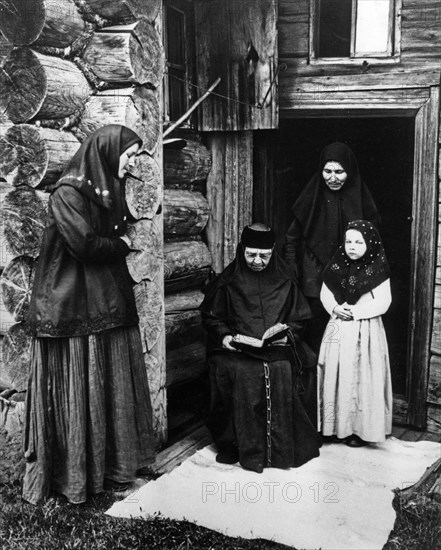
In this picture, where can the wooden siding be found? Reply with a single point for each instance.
(237, 41)
(418, 65)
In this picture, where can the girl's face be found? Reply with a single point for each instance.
(257, 259)
(355, 245)
(334, 175)
(127, 159)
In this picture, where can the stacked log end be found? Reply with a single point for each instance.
(37, 86)
(52, 24)
(187, 260)
(68, 68)
(127, 53)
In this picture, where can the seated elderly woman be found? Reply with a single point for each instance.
(256, 414)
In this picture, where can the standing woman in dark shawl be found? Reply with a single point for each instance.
(256, 416)
(88, 413)
(334, 196)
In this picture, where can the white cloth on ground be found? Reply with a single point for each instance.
(341, 500)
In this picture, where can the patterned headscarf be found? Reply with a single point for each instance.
(349, 279)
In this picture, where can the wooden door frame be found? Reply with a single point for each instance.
(424, 106)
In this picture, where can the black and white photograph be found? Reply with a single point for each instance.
(220, 274)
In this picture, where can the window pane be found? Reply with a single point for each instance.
(335, 18)
(372, 27)
(175, 37)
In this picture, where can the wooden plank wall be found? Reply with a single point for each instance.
(419, 64)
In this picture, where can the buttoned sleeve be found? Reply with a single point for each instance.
(71, 213)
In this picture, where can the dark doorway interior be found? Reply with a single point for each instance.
(384, 148)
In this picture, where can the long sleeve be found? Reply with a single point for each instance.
(374, 303)
(71, 214)
(213, 314)
(327, 298)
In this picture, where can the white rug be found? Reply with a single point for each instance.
(341, 500)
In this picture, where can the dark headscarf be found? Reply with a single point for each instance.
(323, 214)
(349, 279)
(93, 170)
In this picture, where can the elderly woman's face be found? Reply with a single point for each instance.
(257, 259)
(334, 175)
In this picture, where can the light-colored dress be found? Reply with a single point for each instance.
(354, 381)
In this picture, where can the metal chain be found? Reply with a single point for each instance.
(268, 412)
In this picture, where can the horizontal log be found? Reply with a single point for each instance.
(30, 155)
(195, 279)
(150, 306)
(125, 11)
(127, 53)
(434, 387)
(185, 213)
(185, 363)
(183, 328)
(25, 214)
(33, 85)
(191, 163)
(183, 301)
(184, 257)
(41, 22)
(144, 191)
(137, 108)
(16, 282)
(144, 264)
(16, 355)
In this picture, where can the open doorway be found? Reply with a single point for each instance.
(384, 148)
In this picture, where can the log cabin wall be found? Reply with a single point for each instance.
(407, 84)
(68, 68)
(187, 259)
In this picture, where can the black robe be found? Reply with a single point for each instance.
(256, 410)
(321, 216)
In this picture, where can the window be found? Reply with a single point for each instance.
(177, 22)
(354, 29)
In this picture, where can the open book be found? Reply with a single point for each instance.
(276, 332)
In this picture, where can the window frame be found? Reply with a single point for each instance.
(183, 7)
(394, 39)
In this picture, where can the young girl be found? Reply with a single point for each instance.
(355, 390)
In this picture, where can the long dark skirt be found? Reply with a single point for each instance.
(256, 411)
(88, 414)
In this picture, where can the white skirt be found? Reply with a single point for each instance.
(354, 381)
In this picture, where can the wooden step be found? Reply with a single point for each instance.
(173, 456)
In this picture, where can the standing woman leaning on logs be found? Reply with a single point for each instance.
(88, 415)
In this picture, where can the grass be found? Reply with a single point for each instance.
(58, 525)
(418, 525)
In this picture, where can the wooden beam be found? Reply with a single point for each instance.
(229, 193)
(423, 255)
